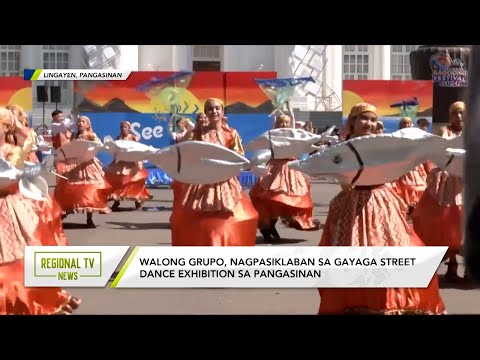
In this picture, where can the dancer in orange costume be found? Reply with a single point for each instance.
(60, 139)
(20, 226)
(284, 193)
(127, 178)
(438, 216)
(201, 125)
(410, 187)
(22, 116)
(48, 210)
(215, 214)
(86, 189)
(373, 216)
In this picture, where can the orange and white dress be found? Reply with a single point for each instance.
(127, 179)
(214, 214)
(411, 186)
(284, 193)
(438, 217)
(58, 140)
(86, 188)
(374, 216)
(49, 210)
(20, 226)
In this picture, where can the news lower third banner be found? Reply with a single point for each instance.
(232, 267)
(82, 74)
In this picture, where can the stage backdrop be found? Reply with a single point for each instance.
(393, 99)
(108, 103)
(15, 90)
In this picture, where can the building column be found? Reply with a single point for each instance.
(380, 62)
(129, 57)
(30, 57)
(333, 72)
(182, 58)
(77, 54)
(281, 59)
(387, 57)
(155, 57)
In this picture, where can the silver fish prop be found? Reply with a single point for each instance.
(30, 183)
(43, 145)
(127, 150)
(287, 143)
(77, 152)
(199, 162)
(373, 159)
(472, 170)
(451, 161)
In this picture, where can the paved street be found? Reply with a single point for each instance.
(150, 227)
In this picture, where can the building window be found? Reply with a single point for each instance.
(206, 58)
(206, 66)
(10, 60)
(57, 57)
(400, 62)
(355, 62)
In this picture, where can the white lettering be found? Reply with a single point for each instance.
(147, 132)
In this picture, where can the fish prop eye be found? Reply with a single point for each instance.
(337, 159)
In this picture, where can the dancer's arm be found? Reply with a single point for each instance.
(237, 143)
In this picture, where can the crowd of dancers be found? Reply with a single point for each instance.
(423, 207)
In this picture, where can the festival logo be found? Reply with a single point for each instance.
(447, 72)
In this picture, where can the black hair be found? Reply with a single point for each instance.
(56, 112)
(422, 120)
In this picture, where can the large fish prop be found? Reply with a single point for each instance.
(200, 162)
(374, 159)
(43, 145)
(452, 160)
(287, 143)
(30, 183)
(77, 152)
(127, 150)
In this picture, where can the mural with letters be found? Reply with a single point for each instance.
(145, 100)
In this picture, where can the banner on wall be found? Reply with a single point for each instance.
(393, 98)
(447, 66)
(145, 100)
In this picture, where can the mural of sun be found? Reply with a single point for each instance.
(167, 99)
(22, 97)
(349, 100)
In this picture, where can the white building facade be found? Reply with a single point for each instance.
(327, 64)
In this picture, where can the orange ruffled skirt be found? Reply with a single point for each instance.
(22, 223)
(438, 217)
(85, 190)
(50, 214)
(284, 193)
(374, 217)
(16, 299)
(129, 186)
(213, 228)
(411, 186)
